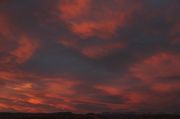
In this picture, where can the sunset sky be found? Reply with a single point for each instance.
(90, 56)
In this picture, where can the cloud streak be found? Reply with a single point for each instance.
(89, 56)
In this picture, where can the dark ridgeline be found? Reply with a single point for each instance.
(69, 115)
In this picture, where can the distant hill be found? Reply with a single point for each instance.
(69, 115)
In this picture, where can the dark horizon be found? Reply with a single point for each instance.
(94, 113)
(86, 56)
(69, 115)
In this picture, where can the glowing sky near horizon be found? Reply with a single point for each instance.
(90, 55)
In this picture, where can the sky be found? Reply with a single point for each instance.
(90, 56)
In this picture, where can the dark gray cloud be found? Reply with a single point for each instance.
(89, 56)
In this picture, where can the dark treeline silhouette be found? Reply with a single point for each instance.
(69, 115)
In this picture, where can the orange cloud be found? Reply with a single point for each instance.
(166, 87)
(103, 29)
(3, 106)
(135, 99)
(9, 75)
(87, 19)
(26, 49)
(5, 27)
(35, 101)
(157, 66)
(99, 51)
(92, 51)
(131, 99)
(70, 43)
(72, 8)
(17, 48)
(23, 87)
(91, 28)
(62, 86)
(7, 39)
(109, 89)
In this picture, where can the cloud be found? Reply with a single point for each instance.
(152, 72)
(89, 55)
(157, 66)
(25, 50)
(97, 19)
(5, 26)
